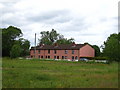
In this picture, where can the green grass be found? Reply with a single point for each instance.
(58, 74)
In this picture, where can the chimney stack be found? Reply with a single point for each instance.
(73, 44)
(55, 44)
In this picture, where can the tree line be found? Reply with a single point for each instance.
(13, 45)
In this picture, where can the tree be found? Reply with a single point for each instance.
(24, 45)
(52, 37)
(112, 47)
(48, 37)
(15, 51)
(97, 50)
(9, 35)
(12, 43)
(65, 41)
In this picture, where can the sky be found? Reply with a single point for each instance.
(89, 21)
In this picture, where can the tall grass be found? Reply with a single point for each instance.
(58, 74)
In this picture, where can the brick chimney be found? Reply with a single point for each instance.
(56, 44)
(73, 44)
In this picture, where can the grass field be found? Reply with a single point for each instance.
(58, 74)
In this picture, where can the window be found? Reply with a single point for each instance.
(31, 56)
(41, 56)
(49, 51)
(38, 51)
(57, 57)
(55, 51)
(49, 57)
(72, 58)
(65, 57)
(76, 58)
(62, 57)
(66, 52)
(54, 57)
(72, 51)
(46, 56)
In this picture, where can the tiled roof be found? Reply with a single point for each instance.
(59, 47)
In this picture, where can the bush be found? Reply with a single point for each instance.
(100, 58)
(96, 58)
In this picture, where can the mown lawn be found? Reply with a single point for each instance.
(58, 74)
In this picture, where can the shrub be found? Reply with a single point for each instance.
(100, 58)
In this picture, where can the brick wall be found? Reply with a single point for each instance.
(87, 51)
(60, 54)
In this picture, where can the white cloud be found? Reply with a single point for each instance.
(89, 21)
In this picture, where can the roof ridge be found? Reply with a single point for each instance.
(61, 47)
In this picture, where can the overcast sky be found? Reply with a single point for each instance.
(89, 21)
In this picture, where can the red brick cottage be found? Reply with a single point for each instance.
(69, 51)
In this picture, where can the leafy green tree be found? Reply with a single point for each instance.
(65, 41)
(9, 35)
(12, 43)
(112, 47)
(52, 37)
(45, 38)
(97, 50)
(15, 51)
(24, 45)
